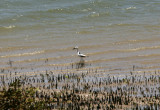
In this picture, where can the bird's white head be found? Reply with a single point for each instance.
(76, 47)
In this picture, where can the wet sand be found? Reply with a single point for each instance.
(90, 88)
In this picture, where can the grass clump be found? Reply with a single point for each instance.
(16, 97)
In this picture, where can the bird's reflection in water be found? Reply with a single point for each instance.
(80, 64)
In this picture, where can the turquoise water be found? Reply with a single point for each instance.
(114, 33)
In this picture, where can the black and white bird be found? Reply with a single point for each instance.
(78, 53)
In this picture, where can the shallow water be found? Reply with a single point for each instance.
(39, 35)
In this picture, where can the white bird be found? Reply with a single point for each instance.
(81, 55)
(78, 53)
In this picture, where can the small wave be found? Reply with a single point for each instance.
(94, 14)
(141, 48)
(9, 49)
(136, 41)
(149, 55)
(123, 50)
(23, 54)
(8, 27)
(127, 58)
(132, 7)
